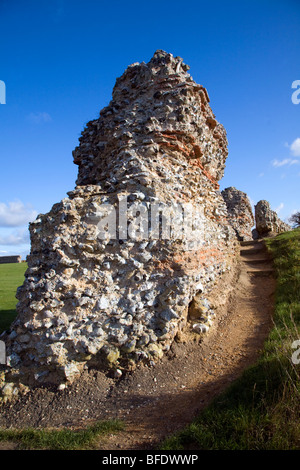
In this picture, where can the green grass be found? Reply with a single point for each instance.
(62, 439)
(11, 277)
(261, 410)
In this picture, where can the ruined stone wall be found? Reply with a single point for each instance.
(267, 221)
(240, 215)
(92, 298)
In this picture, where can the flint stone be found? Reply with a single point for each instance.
(200, 328)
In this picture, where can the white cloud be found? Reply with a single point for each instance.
(285, 161)
(293, 212)
(38, 118)
(295, 147)
(16, 214)
(279, 208)
(18, 237)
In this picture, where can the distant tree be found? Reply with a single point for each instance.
(295, 219)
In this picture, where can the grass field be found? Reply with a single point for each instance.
(261, 410)
(11, 277)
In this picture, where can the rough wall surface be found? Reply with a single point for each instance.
(267, 221)
(90, 298)
(240, 215)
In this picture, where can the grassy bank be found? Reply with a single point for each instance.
(11, 277)
(62, 439)
(261, 410)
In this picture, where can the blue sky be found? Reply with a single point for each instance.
(60, 60)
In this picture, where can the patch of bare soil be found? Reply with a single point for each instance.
(155, 402)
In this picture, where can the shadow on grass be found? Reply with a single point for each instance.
(6, 319)
(248, 416)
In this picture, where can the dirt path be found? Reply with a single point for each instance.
(155, 402)
(232, 345)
